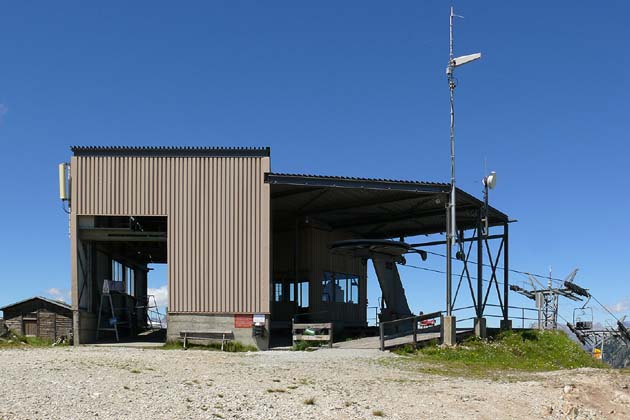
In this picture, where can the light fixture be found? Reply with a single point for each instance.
(490, 181)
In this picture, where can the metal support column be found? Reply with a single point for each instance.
(479, 271)
(506, 324)
(449, 256)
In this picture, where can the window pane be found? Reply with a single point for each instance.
(291, 292)
(303, 294)
(328, 287)
(340, 290)
(354, 289)
(277, 292)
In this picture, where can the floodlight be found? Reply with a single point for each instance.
(490, 181)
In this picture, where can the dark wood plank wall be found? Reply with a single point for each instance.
(45, 320)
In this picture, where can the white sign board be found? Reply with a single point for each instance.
(259, 319)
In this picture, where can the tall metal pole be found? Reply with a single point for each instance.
(452, 228)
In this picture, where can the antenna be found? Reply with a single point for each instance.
(451, 238)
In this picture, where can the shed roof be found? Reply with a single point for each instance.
(59, 303)
(370, 207)
(170, 151)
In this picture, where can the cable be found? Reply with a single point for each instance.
(444, 272)
(502, 269)
(605, 308)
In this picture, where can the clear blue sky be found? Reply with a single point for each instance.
(349, 88)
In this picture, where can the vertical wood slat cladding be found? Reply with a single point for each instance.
(218, 222)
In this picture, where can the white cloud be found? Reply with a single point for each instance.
(160, 294)
(161, 299)
(622, 306)
(58, 294)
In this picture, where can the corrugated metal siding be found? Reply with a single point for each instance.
(218, 222)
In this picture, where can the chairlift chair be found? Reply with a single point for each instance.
(583, 318)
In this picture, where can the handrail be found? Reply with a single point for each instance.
(414, 321)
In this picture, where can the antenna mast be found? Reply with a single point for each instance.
(450, 223)
(451, 227)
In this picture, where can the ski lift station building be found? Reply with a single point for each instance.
(244, 246)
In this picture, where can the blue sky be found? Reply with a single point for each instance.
(348, 88)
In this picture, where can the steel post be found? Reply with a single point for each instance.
(479, 270)
(506, 273)
(449, 257)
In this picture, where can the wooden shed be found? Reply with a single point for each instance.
(39, 317)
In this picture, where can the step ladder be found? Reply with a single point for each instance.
(113, 321)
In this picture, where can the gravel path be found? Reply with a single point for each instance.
(124, 383)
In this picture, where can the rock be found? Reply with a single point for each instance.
(568, 389)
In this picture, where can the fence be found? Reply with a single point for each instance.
(407, 326)
(520, 310)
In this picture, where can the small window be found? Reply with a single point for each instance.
(131, 281)
(277, 295)
(117, 271)
(340, 288)
(328, 287)
(353, 290)
(303, 294)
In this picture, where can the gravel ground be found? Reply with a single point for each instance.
(126, 383)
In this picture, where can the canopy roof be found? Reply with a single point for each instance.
(371, 208)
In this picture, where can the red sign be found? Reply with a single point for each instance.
(243, 321)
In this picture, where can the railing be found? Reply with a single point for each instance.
(521, 310)
(401, 327)
(375, 318)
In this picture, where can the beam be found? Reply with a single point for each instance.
(474, 238)
(402, 217)
(120, 235)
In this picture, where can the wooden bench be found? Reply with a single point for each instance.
(321, 331)
(223, 336)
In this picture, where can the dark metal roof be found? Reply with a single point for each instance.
(51, 301)
(354, 182)
(163, 151)
(371, 208)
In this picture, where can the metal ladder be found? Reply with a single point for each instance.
(113, 321)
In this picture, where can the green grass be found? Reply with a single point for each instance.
(309, 401)
(230, 346)
(13, 340)
(305, 345)
(523, 351)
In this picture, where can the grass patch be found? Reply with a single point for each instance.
(13, 340)
(230, 346)
(276, 390)
(309, 401)
(305, 345)
(520, 351)
(378, 413)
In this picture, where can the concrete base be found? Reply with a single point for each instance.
(480, 327)
(83, 327)
(506, 324)
(449, 331)
(218, 322)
